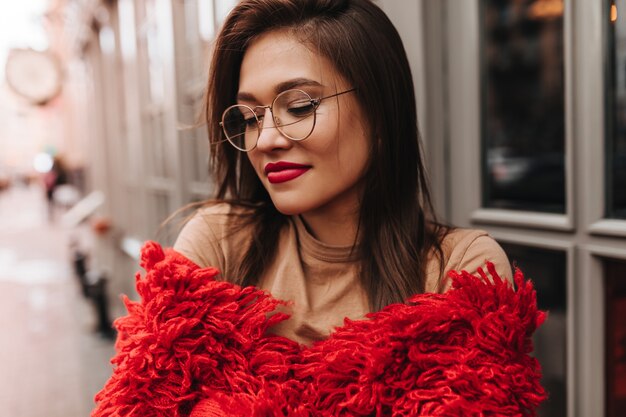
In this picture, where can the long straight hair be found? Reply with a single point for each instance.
(398, 231)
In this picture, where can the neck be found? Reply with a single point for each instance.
(336, 223)
(339, 229)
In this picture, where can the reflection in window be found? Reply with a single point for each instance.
(616, 110)
(547, 269)
(523, 105)
(615, 296)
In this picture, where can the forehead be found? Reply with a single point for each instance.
(278, 56)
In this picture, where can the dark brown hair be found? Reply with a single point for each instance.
(397, 228)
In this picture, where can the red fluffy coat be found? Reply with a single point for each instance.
(194, 346)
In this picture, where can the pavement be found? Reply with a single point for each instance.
(52, 361)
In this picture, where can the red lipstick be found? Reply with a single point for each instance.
(283, 171)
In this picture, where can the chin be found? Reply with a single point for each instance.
(288, 209)
(290, 206)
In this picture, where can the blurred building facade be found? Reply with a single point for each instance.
(522, 108)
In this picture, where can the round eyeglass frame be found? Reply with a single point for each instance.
(314, 101)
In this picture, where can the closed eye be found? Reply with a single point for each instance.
(301, 108)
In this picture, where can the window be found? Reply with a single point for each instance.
(523, 117)
(615, 296)
(615, 154)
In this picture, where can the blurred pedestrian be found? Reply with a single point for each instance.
(55, 177)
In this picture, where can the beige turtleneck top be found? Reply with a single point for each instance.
(319, 280)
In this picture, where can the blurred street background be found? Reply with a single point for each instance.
(53, 360)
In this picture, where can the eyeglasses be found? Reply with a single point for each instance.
(293, 112)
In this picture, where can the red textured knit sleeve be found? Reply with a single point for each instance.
(187, 332)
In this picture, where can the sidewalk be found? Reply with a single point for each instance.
(51, 361)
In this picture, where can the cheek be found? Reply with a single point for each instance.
(357, 157)
(345, 159)
(344, 136)
(354, 143)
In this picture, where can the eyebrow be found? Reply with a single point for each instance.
(285, 85)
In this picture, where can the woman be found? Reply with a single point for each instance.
(322, 211)
(330, 210)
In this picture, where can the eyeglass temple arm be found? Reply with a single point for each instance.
(337, 94)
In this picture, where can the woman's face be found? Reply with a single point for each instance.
(322, 174)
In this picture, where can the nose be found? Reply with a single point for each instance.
(270, 138)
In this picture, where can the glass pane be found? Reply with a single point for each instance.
(164, 231)
(523, 113)
(616, 109)
(547, 269)
(615, 295)
(154, 146)
(206, 19)
(134, 218)
(222, 8)
(156, 72)
(128, 36)
(201, 154)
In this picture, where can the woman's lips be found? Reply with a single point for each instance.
(284, 171)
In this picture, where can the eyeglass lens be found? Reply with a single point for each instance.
(293, 112)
